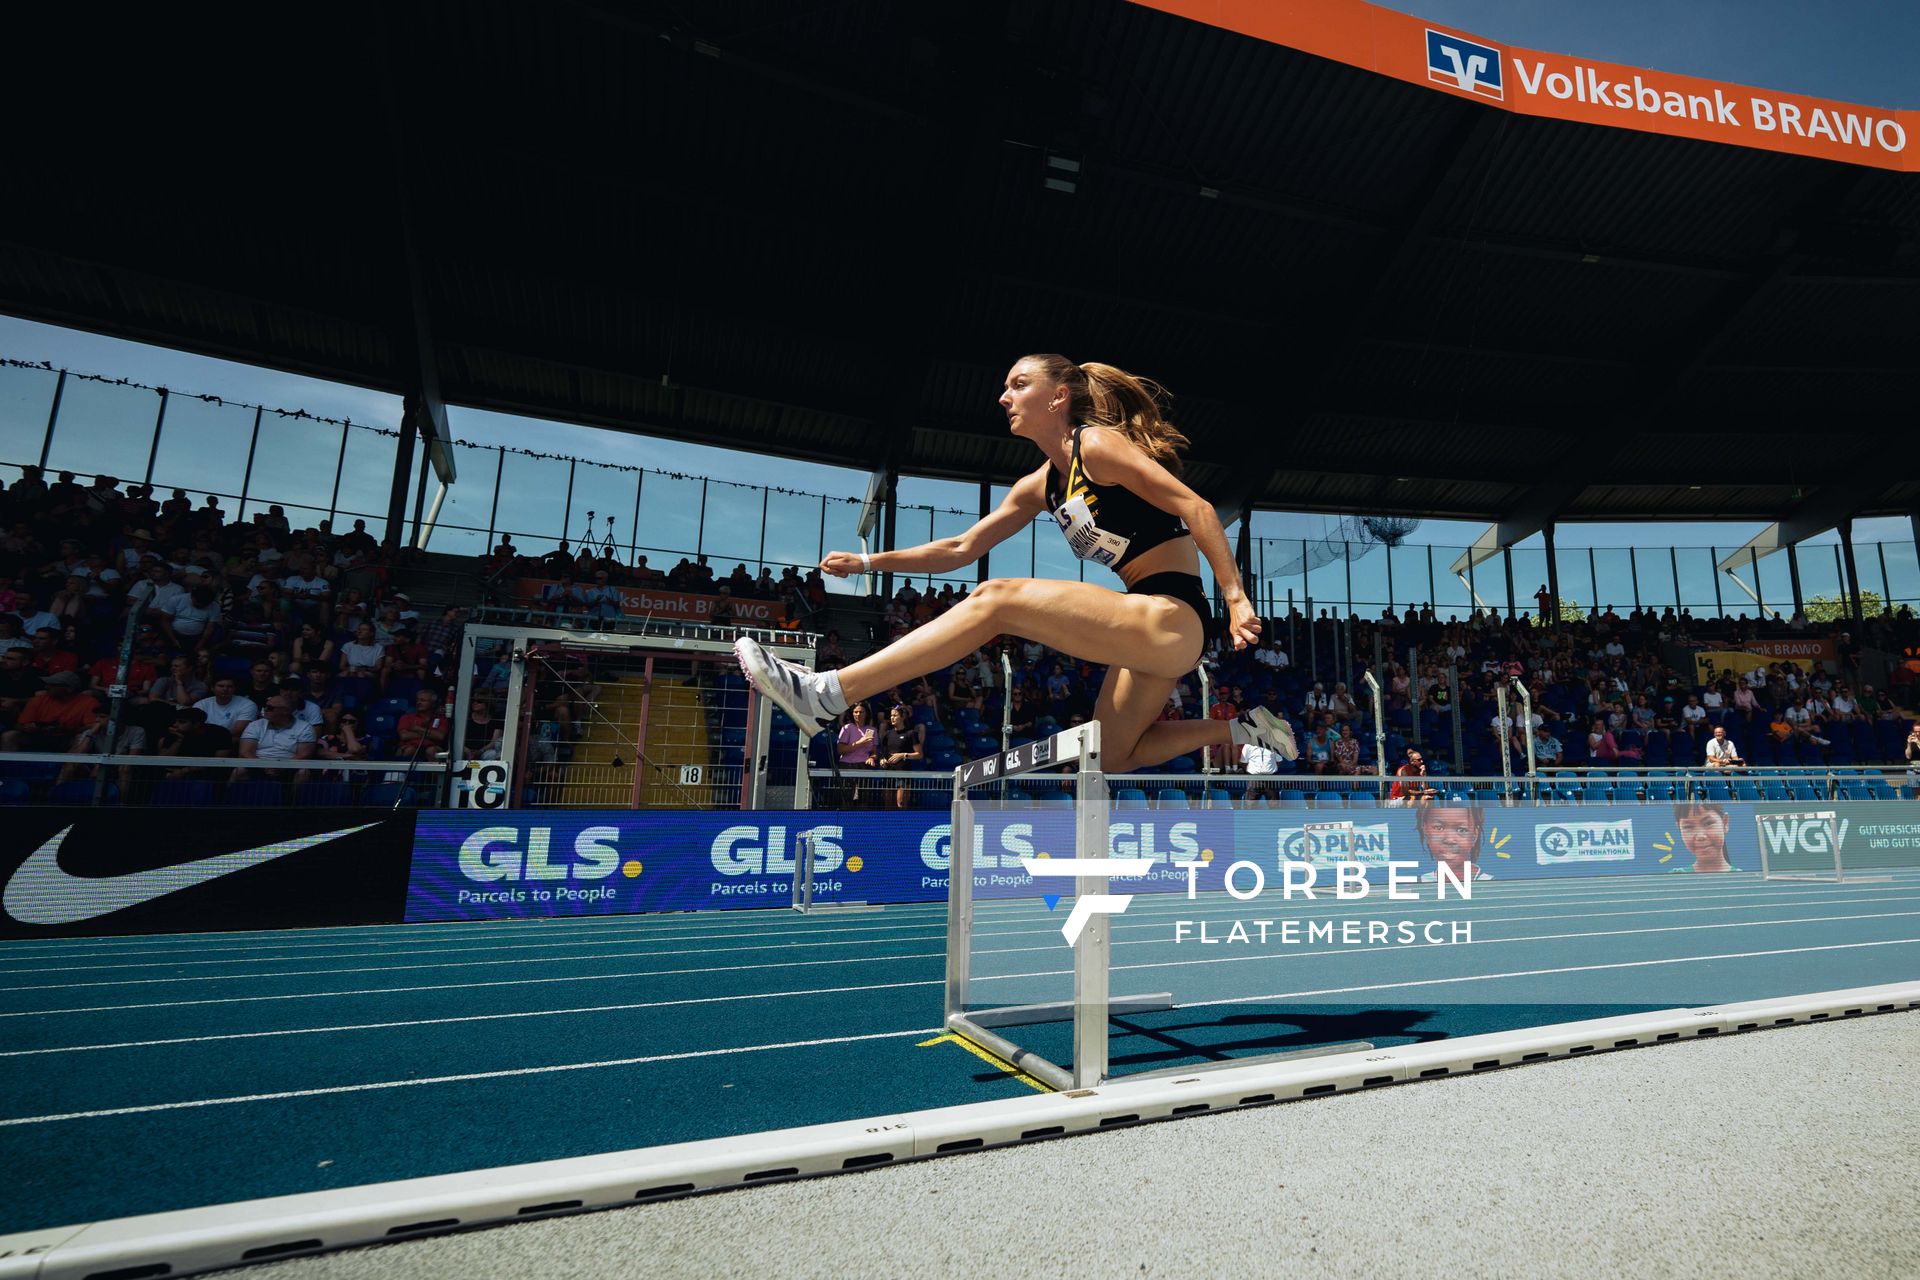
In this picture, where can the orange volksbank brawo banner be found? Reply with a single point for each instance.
(1565, 87)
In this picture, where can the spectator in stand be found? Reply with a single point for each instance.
(903, 745)
(856, 744)
(1721, 753)
(1412, 790)
(10, 637)
(189, 734)
(31, 616)
(407, 657)
(365, 656)
(1912, 752)
(19, 682)
(483, 736)
(293, 691)
(312, 649)
(1344, 752)
(180, 687)
(1601, 746)
(1341, 704)
(337, 736)
(422, 732)
(50, 719)
(1320, 742)
(226, 710)
(1547, 749)
(1315, 702)
(48, 656)
(961, 691)
(129, 739)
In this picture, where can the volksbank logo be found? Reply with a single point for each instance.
(1464, 65)
(1088, 905)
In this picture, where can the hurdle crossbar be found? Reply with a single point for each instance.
(1092, 1002)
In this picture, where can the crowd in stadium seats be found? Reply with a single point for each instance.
(250, 639)
(588, 581)
(1606, 691)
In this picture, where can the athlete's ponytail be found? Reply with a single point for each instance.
(1103, 396)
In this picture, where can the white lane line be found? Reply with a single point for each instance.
(651, 924)
(467, 1077)
(657, 927)
(1146, 918)
(1302, 954)
(1145, 904)
(1538, 973)
(474, 1017)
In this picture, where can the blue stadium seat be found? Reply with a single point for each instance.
(389, 706)
(257, 793)
(80, 791)
(382, 795)
(15, 791)
(1329, 799)
(403, 688)
(1293, 799)
(1129, 798)
(323, 794)
(1173, 798)
(1218, 798)
(183, 791)
(1363, 800)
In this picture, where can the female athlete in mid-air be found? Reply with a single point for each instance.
(1111, 481)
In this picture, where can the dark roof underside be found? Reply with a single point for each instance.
(825, 232)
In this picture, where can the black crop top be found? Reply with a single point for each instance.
(1108, 524)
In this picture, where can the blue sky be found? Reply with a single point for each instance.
(1845, 49)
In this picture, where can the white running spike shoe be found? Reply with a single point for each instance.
(793, 688)
(1271, 731)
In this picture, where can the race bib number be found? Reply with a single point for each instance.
(1086, 539)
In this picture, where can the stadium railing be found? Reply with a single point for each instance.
(36, 777)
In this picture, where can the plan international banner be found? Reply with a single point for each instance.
(1563, 87)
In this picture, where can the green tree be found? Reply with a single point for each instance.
(1834, 608)
(1571, 610)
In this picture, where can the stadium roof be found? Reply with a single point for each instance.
(825, 232)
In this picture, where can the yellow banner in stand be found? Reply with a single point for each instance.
(1710, 665)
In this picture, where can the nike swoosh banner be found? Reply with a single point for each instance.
(68, 872)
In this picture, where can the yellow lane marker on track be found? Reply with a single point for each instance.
(984, 1056)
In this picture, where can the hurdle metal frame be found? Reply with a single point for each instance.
(803, 871)
(1092, 1001)
(1839, 876)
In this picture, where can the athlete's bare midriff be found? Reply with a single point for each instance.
(1177, 555)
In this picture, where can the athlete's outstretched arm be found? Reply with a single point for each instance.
(1016, 511)
(1116, 460)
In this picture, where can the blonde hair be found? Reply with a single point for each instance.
(1100, 395)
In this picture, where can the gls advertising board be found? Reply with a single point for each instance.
(472, 866)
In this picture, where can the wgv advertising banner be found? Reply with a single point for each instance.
(536, 863)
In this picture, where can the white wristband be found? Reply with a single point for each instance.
(866, 563)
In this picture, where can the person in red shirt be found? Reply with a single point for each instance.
(424, 729)
(140, 674)
(48, 658)
(51, 718)
(1412, 790)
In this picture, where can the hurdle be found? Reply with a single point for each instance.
(1093, 1004)
(803, 873)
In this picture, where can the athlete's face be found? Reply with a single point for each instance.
(1033, 401)
(1451, 835)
